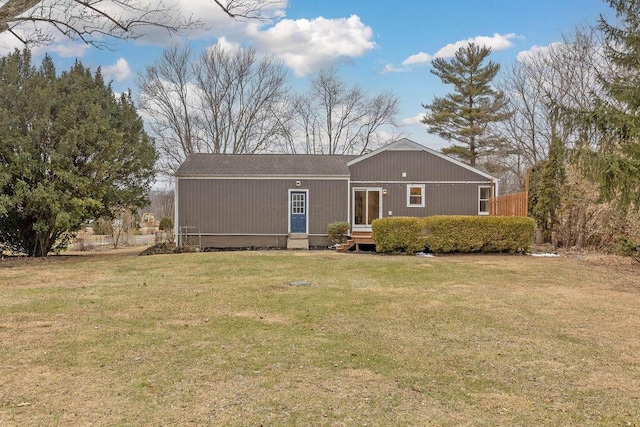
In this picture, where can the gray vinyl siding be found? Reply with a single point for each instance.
(450, 189)
(440, 199)
(257, 206)
(418, 166)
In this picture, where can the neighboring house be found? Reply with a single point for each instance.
(287, 200)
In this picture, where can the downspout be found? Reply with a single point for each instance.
(492, 198)
(526, 191)
(349, 203)
(176, 221)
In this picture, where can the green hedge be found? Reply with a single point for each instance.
(454, 234)
(398, 234)
(490, 234)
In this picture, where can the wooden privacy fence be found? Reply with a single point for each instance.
(515, 204)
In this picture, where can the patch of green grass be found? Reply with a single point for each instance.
(224, 339)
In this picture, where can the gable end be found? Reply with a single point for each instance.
(408, 145)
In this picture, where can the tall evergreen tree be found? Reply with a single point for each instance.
(466, 114)
(70, 150)
(612, 158)
(546, 185)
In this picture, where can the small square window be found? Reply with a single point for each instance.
(415, 195)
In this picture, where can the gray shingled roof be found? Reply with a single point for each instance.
(264, 165)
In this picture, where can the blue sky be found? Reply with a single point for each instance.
(378, 44)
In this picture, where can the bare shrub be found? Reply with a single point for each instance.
(584, 221)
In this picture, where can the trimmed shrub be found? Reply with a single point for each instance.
(454, 234)
(337, 232)
(398, 234)
(486, 234)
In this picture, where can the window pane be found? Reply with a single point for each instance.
(374, 206)
(416, 196)
(297, 203)
(485, 193)
(359, 207)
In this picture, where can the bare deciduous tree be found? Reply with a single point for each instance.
(225, 101)
(333, 118)
(161, 202)
(34, 22)
(563, 75)
(242, 99)
(168, 97)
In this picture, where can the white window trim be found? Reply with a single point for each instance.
(480, 200)
(422, 191)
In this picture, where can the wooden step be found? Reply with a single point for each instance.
(355, 239)
(345, 246)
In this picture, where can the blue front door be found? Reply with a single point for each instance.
(298, 212)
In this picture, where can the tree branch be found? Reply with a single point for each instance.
(91, 20)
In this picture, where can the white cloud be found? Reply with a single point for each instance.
(418, 59)
(8, 43)
(65, 49)
(119, 71)
(61, 46)
(306, 45)
(227, 45)
(415, 120)
(390, 68)
(215, 23)
(495, 42)
(537, 51)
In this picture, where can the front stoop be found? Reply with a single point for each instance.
(298, 241)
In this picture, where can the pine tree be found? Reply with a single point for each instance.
(69, 151)
(466, 114)
(612, 158)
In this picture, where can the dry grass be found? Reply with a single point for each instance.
(224, 339)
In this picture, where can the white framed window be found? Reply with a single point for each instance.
(484, 194)
(415, 195)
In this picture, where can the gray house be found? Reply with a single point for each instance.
(273, 200)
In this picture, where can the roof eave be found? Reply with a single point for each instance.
(279, 176)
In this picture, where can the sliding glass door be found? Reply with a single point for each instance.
(367, 206)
